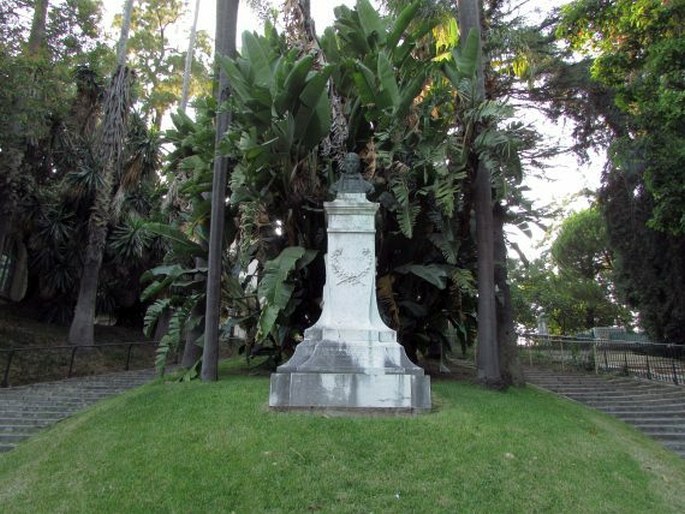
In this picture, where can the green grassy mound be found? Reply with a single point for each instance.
(193, 447)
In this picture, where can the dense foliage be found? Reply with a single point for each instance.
(636, 62)
(51, 169)
(402, 90)
(572, 285)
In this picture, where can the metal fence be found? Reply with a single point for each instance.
(63, 364)
(653, 361)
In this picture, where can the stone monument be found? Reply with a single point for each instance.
(349, 359)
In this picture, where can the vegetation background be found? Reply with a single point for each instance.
(106, 210)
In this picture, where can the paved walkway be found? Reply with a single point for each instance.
(24, 410)
(656, 408)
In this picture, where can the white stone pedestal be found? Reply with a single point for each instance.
(350, 360)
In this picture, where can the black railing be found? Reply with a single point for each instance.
(71, 351)
(653, 361)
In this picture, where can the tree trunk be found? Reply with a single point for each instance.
(37, 36)
(82, 329)
(226, 27)
(123, 36)
(512, 373)
(189, 60)
(487, 358)
(111, 141)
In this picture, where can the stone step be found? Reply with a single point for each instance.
(59, 390)
(608, 388)
(632, 413)
(24, 410)
(650, 420)
(37, 402)
(56, 404)
(657, 409)
(662, 429)
(55, 416)
(651, 405)
(595, 379)
(33, 410)
(650, 401)
(19, 429)
(622, 392)
(13, 438)
(637, 408)
(56, 393)
(27, 422)
(676, 446)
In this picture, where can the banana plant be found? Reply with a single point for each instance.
(402, 111)
(280, 180)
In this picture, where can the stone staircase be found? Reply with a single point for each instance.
(27, 409)
(655, 408)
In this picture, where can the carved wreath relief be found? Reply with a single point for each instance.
(351, 271)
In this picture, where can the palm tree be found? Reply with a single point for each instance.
(189, 59)
(192, 352)
(112, 133)
(37, 37)
(226, 27)
(469, 12)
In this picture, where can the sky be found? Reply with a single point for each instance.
(563, 176)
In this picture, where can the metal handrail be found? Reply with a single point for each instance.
(74, 348)
(654, 361)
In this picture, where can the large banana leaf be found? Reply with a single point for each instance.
(256, 51)
(371, 22)
(182, 245)
(313, 119)
(275, 290)
(294, 83)
(365, 81)
(237, 79)
(403, 21)
(465, 60)
(386, 76)
(432, 273)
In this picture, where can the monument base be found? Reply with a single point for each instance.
(350, 392)
(341, 375)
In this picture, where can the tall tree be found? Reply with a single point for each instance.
(225, 46)
(191, 351)
(159, 64)
(189, 59)
(112, 133)
(37, 37)
(13, 154)
(573, 284)
(634, 58)
(487, 359)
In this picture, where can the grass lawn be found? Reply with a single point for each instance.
(193, 447)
